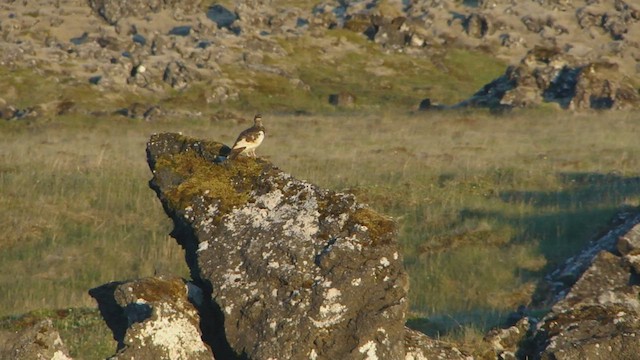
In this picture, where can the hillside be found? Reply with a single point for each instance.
(145, 58)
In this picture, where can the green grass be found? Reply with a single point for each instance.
(344, 61)
(80, 213)
(486, 205)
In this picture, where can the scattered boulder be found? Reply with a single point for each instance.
(476, 25)
(222, 16)
(426, 105)
(391, 33)
(141, 111)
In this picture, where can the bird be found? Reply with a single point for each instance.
(249, 139)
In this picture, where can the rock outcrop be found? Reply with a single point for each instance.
(549, 75)
(297, 271)
(599, 318)
(595, 311)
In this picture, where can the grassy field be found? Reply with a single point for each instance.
(486, 204)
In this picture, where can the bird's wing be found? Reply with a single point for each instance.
(248, 137)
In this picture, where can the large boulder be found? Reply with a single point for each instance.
(296, 271)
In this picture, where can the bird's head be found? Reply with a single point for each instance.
(257, 120)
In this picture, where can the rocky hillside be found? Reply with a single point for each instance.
(579, 54)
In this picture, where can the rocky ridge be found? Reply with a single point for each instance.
(153, 46)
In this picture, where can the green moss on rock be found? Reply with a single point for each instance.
(380, 227)
(228, 183)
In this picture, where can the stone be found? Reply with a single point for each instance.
(421, 347)
(476, 25)
(506, 342)
(392, 33)
(629, 243)
(39, 341)
(154, 318)
(546, 74)
(178, 75)
(558, 283)
(296, 271)
(598, 319)
(222, 16)
(427, 104)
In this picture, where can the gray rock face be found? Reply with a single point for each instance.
(558, 283)
(595, 310)
(599, 318)
(154, 318)
(40, 341)
(297, 271)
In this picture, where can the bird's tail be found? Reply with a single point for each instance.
(234, 153)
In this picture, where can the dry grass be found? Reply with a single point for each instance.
(486, 204)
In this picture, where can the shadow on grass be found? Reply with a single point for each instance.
(554, 225)
(566, 220)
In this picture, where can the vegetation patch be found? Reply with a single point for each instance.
(382, 229)
(228, 183)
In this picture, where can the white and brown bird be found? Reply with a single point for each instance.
(249, 139)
